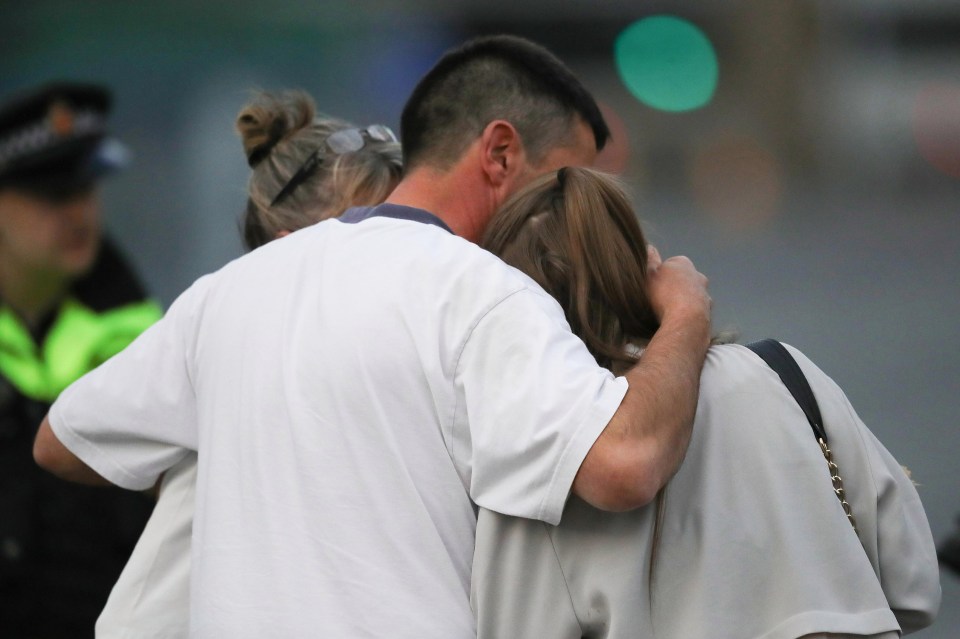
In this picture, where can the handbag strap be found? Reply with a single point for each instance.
(779, 359)
(782, 362)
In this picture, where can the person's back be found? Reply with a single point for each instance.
(337, 476)
(752, 541)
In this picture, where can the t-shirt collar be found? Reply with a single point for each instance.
(395, 211)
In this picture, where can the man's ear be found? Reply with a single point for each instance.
(502, 152)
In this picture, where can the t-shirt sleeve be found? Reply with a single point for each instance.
(531, 401)
(135, 416)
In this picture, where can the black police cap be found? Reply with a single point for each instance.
(53, 138)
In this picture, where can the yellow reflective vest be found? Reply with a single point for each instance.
(79, 340)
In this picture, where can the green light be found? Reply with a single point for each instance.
(667, 63)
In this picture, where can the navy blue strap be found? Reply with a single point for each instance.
(779, 359)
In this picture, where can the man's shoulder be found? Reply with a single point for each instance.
(419, 239)
(481, 270)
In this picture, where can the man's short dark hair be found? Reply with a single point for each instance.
(490, 78)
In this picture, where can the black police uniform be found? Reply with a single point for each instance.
(62, 545)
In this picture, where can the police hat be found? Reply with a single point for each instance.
(53, 139)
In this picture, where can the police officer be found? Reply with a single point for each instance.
(68, 301)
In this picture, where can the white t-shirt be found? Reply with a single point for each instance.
(754, 542)
(353, 391)
(151, 599)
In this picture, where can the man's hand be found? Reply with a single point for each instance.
(677, 288)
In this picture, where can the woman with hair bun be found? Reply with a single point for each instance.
(748, 539)
(305, 168)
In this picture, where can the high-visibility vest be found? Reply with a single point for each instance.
(79, 340)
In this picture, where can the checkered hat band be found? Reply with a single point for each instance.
(41, 135)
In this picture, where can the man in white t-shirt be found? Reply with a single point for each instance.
(355, 390)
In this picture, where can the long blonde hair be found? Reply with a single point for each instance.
(279, 132)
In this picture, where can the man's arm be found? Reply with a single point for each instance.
(645, 441)
(50, 453)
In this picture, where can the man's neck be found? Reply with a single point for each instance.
(455, 200)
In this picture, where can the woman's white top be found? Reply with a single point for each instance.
(151, 599)
(753, 541)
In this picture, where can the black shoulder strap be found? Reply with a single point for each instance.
(779, 359)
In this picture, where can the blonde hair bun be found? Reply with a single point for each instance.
(270, 118)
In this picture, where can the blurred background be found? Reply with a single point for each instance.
(805, 154)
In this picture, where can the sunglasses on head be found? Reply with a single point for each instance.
(337, 143)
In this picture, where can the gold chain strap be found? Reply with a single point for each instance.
(837, 483)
